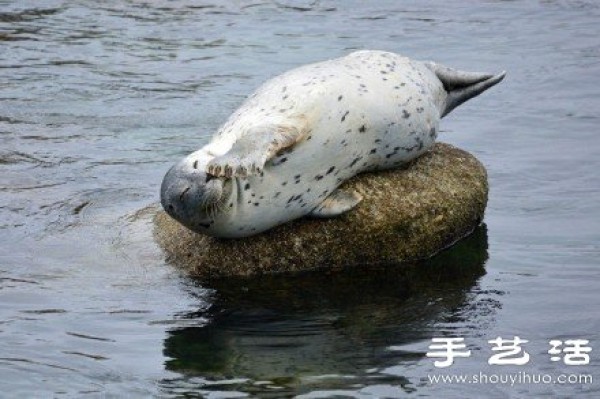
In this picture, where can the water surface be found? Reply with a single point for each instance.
(98, 99)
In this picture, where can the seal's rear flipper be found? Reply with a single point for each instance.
(462, 86)
(336, 203)
(250, 152)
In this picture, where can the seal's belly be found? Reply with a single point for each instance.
(297, 181)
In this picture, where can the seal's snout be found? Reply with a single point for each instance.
(188, 195)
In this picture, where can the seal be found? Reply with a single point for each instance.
(283, 154)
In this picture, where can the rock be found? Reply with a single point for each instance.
(406, 214)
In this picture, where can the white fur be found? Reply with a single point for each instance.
(388, 103)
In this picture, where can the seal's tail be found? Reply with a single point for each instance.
(462, 86)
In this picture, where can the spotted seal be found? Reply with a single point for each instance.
(285, 151)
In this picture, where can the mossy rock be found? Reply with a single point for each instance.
(406, 214)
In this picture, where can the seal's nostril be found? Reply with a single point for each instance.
(183, 193)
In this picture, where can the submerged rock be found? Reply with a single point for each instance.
(406, 214)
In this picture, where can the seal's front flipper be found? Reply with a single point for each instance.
(250, 152)
(336, 203)
(462, 86)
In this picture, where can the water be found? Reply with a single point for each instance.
(97, 99)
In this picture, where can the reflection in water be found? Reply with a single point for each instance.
(97, 100)
(287, 329)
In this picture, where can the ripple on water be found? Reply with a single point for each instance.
(98, 99)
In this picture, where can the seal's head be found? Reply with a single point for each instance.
(194, 198)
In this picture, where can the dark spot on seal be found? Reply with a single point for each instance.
(373, 151)
(282, 160)
(256, 204)
(362, 129)
(355, 161)
(277, 194)
(284, 183)
(195, 164)
(420, 143)
(247, 186)
(405, 114)
(340, 98)
(318, 177)
(297, 177)
(231, 205)
(330, 170)
(345, 115)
